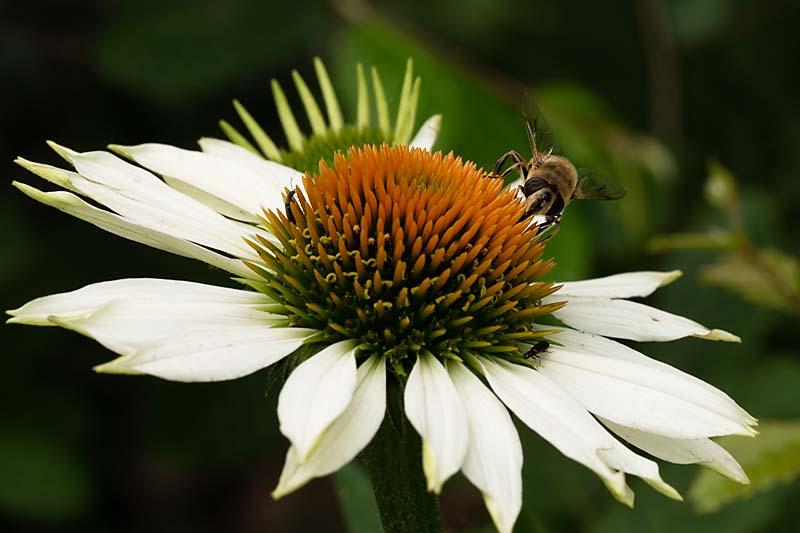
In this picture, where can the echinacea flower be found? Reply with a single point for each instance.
(394, 268)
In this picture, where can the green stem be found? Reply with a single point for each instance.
(394, 462)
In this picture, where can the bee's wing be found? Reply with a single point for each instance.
(540, 136)
(592, 187)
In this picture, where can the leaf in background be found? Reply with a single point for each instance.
(736, 273)
(357, 501)
(770, 458)
(713, 239)
(720, 187)
(41, 481)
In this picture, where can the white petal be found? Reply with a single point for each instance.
(623, 459)
(557, 417)
(641, 396)
(71, 204)
(212, 356)
(628, 285)
(683, 451)
(346, 436)
(494, 455)
(92, 297)
(145, 200)
(104, 168)
(280, 175)
(228, 188)
(316, 393)
(586, 343)
(434, 409)
(128, 315)
(427, 134)
(624, 319)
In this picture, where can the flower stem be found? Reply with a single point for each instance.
(394, 462)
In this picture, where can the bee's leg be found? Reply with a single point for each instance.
(548, 229)
(518, 162)
(288, 196)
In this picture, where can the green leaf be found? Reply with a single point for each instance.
(772, 457)
(747, 277)
(41, 480)
(714, 239)
(357, 501)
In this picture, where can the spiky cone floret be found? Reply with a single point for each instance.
(408, 252)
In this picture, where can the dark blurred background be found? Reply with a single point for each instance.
(644, 91)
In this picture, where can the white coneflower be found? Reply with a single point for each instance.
(413, 284)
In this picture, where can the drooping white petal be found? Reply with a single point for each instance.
(121, 177)
(434, 409)
(427, 134)
(145, 200)
(710, 396)
(141, 291)
(212, 356)
(642, 396)
(280, 175)
(683, 451)
(494, 456)
(621, 458)
(73, 205)
(346, 436)
(557, 417)
(229, 188)
(628, 285)
(624, 319)
(315, 393)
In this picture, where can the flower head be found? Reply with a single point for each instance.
(408, 252)
(388, 264)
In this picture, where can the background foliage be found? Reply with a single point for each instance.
(644, 91)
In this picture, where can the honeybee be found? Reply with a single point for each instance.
(549, 182)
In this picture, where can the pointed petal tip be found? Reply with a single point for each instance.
(279, 492)
(119, 150)
(24, 163)
(619, 488)
(63, 151)
(24, 187)
(664, 488)
(732, 471)
(669, 277)
(115, 366)
(721, 335)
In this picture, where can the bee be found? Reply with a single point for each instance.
(549, 182)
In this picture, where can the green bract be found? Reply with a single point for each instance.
(305, 151)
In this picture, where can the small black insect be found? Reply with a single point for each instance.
(536, 349)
